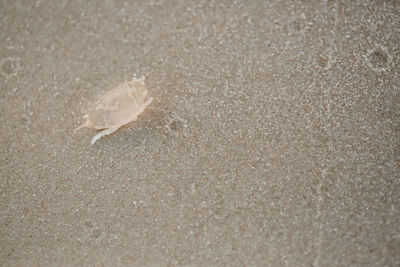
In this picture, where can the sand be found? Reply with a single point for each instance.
(272, 139)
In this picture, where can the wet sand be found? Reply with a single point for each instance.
(272, 139)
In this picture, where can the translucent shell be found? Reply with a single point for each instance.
(118, 107)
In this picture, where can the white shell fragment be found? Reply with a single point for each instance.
(118, 107)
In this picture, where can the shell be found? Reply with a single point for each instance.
(121, 105)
